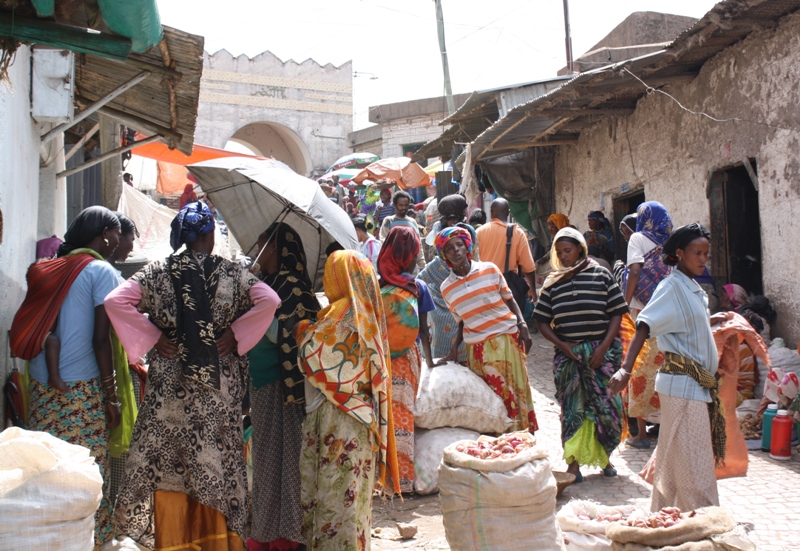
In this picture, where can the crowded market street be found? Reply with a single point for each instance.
(766, 499)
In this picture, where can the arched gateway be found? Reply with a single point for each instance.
(299, 114)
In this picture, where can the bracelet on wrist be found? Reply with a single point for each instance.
(110, 403)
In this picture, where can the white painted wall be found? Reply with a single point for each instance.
(19, 193)
(411, 130)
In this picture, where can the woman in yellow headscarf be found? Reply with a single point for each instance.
(348, 436)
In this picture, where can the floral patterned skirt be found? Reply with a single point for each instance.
(405, 382)
(78, 416)
(643, 399)
(501, 362)
(337, 471)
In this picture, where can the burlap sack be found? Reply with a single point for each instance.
(703, 545)
(709, 521)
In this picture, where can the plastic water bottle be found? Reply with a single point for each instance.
(766, 427)
(781, 447)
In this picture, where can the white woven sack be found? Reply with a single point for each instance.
(451, 395)
(568, 516)
(49, 492)
(429, 448)
(456, 458)
(574, 541)
(500, 511)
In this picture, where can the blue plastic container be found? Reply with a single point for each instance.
(766, 428)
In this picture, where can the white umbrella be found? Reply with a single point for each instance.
(251, 194)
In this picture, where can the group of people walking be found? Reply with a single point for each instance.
(644, 331)
(331, 390)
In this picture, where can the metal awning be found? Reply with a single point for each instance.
(558, 117)
(482, 109)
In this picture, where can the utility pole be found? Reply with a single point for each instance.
(448, 89)
(570, 63)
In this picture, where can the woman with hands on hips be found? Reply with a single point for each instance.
(185, 479)
(580, 309)
(490, 323)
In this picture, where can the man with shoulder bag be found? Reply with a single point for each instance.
(507, 247)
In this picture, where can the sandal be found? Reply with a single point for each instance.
(578, 478)
(609, 471)
(638, 444)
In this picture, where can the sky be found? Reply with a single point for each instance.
(394, 47)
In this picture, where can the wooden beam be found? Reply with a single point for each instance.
(588, 111)
(94, 107)
(80, 143)
(751, 172)
(526, 145)
(77, 39)
(104, 156)
(506, 131)
(139, 123)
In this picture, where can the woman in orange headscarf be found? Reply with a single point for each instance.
(557, 222)
(348, 436)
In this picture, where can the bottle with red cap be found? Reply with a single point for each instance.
(781, 442)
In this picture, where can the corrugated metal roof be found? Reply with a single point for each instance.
(557, 117)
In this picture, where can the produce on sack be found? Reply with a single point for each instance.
(505, 445)
(666, 517)
(751, 426)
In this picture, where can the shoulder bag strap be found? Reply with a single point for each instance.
(509, 235)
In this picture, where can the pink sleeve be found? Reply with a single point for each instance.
(251, 327)
(136, 333)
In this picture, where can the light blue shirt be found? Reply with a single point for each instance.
(75, 326)
(677, 315)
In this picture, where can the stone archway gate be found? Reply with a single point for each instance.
(298, 113)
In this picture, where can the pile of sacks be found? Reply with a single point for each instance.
(505, 502)
(452, 404)
(49, 492)
(588, 526)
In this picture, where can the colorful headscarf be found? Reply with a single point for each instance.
(396, 258)
(345, 354)
(451, 233)
(559, 270)
(193, 220)
(652, 219)
(737, 294)
(560, 221)
(298, 302)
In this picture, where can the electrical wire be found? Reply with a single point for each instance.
(651, 90)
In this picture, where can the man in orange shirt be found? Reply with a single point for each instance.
(492, 244)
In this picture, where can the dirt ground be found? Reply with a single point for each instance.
(767, 498)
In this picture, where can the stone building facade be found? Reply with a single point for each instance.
(739, 178)
(402, 127)
(298, 113)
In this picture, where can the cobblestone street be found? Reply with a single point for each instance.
(767, 498)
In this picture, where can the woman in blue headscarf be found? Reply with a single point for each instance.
(185, 480)
(645, 272)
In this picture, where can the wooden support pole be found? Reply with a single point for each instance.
(106, 157)
(80, 143)
(118, 91)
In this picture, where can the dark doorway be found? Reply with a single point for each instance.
(736, 228)
(623, 206)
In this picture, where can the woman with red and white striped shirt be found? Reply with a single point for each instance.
(490, 323)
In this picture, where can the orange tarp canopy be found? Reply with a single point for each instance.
(172, 174)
